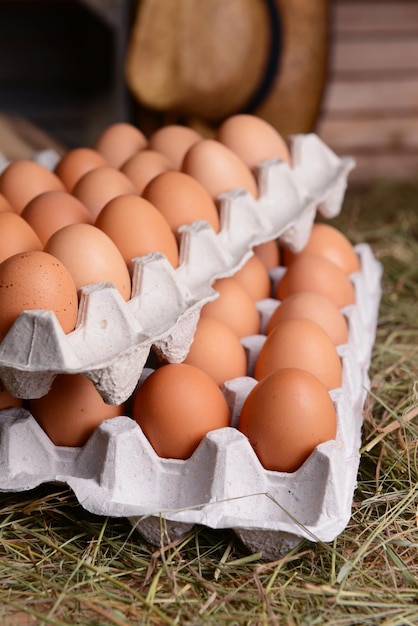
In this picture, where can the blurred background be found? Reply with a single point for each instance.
(346, 69)
(62, 68)
(370, 109)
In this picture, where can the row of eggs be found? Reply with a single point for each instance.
(68, 252)
(94, 219)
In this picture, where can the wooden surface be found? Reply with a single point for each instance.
(370, 110)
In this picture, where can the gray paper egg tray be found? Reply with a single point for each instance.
(222, 485)
(113, 338)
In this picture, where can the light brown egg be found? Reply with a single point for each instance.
(176, 406)
(330, 243)
(23, 179)
(16, 235)
(5, 204)
(52, 210)
(36, 280)
(286, 416)
(90, 256)
(100, 185)
(316, 307)
(119, 141)
(255, 279)
(253, 139)
(181, 200)
(269, 253)
(217, 350)
(77, 162)
(315, 273)
(72, 410)
(174, 140)
(303, 344)
(218, 169)
(137, 228)
(145, 165)
(234, 307)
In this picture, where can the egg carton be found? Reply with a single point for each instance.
(113, 338)
(223, 484)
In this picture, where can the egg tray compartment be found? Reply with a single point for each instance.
(222, 485)
(113, 338)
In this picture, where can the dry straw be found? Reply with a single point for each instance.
(60, 565)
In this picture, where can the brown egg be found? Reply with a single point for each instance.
(22, 180)
(100, 185)
(269, 253)
(253, 139)
(255, 279)
(174, 140)
(52, 210)
(137, 228)
(330, 243)
(218, 169)
(181, 200)
(234, 307)
(285, 417)
(315, 273)
(90, 256)
(119, 141)
(316, 307)
(72, 410)
(7, 401)
(16, 235)
(36, 280)
(5, 204)
(217, 350)
(145, 165)
(77, 162)
(176, 406)
(303, 344)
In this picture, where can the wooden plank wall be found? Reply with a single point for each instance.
(370, 110)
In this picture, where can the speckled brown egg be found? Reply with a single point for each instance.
(36, 280)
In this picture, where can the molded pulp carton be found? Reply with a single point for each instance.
(222, 485)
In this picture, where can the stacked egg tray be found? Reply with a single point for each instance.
(222, 485)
